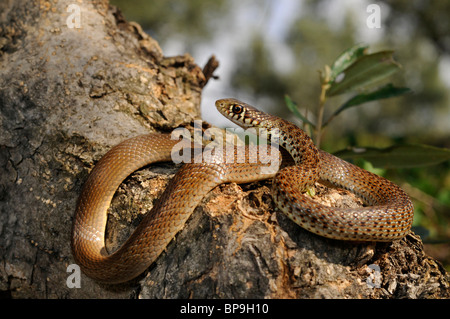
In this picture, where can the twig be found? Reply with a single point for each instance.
(209, 69)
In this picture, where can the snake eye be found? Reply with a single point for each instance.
(237, 109)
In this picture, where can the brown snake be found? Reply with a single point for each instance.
(388, 216)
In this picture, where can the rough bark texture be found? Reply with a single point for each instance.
(68, 95)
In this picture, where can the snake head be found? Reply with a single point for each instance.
(241, 113)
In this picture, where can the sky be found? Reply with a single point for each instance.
(274, 17)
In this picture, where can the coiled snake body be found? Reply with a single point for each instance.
(388, 215)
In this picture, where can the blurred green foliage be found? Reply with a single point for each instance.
(165, 20)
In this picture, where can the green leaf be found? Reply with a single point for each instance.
(384, 92)
(292, 106)
(368, 166)
(347, 58)
(364, 72)
(398, 156)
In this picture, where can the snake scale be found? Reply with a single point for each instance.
(387, 215)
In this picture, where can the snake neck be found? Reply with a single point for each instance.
(294, 140)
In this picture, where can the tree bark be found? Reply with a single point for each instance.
(67, 95)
